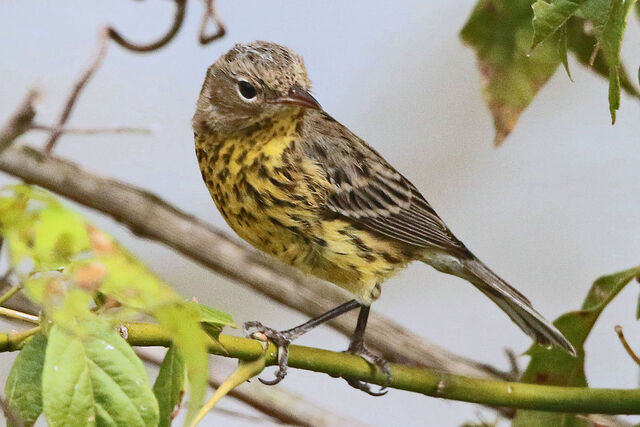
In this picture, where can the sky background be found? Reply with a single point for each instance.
(551, 210)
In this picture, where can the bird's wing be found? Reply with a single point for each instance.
(371, 193)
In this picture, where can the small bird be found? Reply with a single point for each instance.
(297, 184)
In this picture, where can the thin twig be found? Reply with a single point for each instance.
(101, 51)
(513, 362)
(210, 15)
(19, 122)
(19, 315)
(178, 19)
(148, 216)
(92, 131)
(281, 405)
(626, 345)
(11, 292)
(11, 415)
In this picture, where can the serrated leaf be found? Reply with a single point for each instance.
(169, 386)
(500, 32)
(549, 17)
(130, 283)
(582, 42)
(23, 387)
(556, 367)
(496, 30)
(609, 21)
(95, 380)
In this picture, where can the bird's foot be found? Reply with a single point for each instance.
(281, 339)
(359, 349)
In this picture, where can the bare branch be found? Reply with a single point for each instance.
(210, 15)
(178, 19)
(281, 405)
(150, 217)
(101, 51)
(93, 131)
(19, 122)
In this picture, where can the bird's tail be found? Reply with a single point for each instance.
(512, 302)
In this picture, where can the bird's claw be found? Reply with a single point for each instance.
(359, 349)
(366, 387)
(282, 340)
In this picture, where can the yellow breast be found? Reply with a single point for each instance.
(270, 195)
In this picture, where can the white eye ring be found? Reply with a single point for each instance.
(246, 91)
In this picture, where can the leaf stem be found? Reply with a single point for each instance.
(11, 292)
(626, 345)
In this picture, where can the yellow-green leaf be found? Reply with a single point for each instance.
(215, 317)
(183, 323)
(246, 370)
(96, 379)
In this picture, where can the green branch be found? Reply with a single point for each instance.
(419, 380)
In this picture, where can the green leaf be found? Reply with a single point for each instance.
(581, 42)
(554, 366)
(609, 20)
(95, 380)
(39, 228)
(550, 17)
(213, 321)
(562, 49)
(183, 323)
(500, 32)
(169, 386)
(215, 317)
(23, 387)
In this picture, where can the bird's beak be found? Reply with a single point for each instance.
(299, 97)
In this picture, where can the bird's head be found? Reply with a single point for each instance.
(251, 83)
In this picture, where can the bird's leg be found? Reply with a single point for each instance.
(358, 348)
(282, 339)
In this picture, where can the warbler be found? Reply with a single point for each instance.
(295, 183)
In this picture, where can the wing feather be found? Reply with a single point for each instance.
(366, 189)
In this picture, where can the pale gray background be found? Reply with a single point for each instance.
(553, 209)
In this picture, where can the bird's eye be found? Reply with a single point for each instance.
(246, 90)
